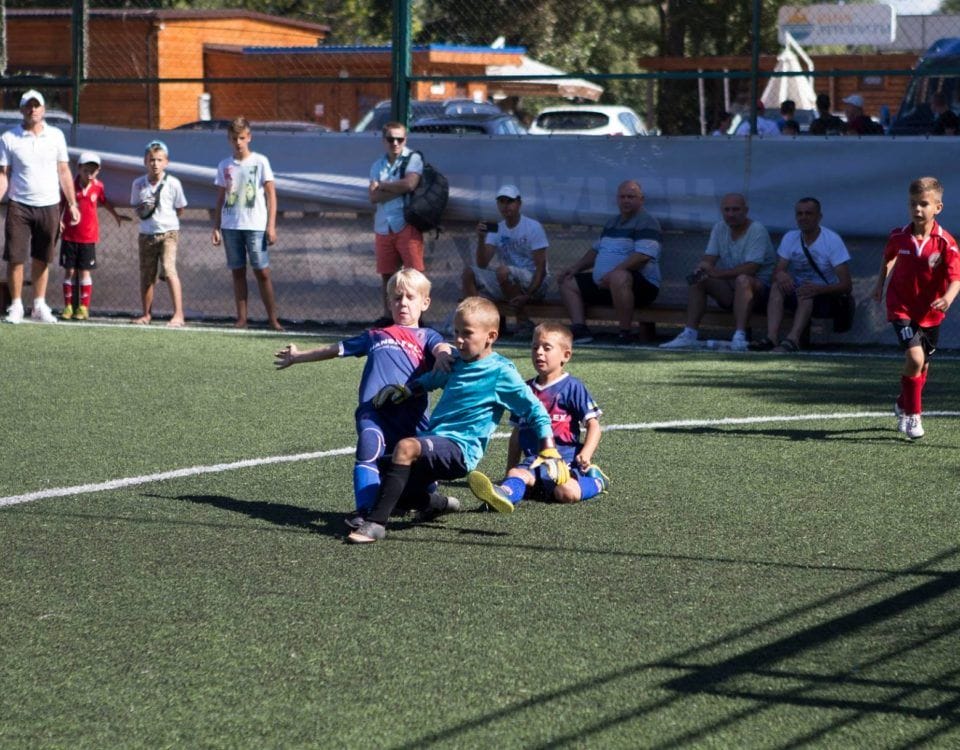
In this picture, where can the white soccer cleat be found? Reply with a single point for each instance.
(684, 340)
(914, 427)
(14, 314)
(43, 314)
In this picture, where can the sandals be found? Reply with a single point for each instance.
(787, 346)
(763, 345)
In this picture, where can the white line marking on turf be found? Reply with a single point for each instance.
(193, 471)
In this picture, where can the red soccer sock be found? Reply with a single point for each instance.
(86, 292)
(910, 390)
(67, 293)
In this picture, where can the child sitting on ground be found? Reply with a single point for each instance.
(570, 406)
(479, 387)
(395, 354)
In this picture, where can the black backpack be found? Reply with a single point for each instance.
(423, 208)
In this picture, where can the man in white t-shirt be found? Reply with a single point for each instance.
(813, 269)
(245, 219)
(735, 271)
(35, 168)
(519, 245)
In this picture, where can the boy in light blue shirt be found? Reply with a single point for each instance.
(480, 386)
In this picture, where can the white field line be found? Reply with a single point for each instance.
(192, 471)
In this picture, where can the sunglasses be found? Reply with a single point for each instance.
(395, 139)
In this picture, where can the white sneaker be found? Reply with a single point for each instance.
(901, 417)
(914, 427)
(43, 314)
(14, 314)
(686, 339)
(739, 343)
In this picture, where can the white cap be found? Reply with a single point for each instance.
(32, 94)
(88, 157)
(508, 191)
(854, 100)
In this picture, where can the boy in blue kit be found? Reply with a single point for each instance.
(395, 354)
(571, 408)
(480, 386)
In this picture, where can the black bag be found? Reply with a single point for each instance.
(844, 305)
(423, 208)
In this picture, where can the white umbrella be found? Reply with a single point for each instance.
(798, 88)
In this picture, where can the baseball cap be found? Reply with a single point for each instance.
(88, 157)
(159, 144)
(508, 191)
(854, 100)
(32, 94)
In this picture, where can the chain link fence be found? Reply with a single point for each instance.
(681, 66)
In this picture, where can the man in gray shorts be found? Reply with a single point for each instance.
(35, 168)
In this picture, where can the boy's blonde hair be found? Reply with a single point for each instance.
(481, 311)
(409, 279)
(926, 185)
(238, 125)
(555, 329)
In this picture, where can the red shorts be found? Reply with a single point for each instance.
(403, 248)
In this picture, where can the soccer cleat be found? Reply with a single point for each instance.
(686, 339)
(914, 427)
(367, 533)
(593, 471)
(581, 334)
(488, 492)
(67, 312)
(901, 417)
(43, 314)
(82, 313)
(14, 314)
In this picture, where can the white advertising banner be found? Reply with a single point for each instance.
(852, 23)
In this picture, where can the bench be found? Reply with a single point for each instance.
(647, 318)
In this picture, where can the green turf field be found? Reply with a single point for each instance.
(791, 581)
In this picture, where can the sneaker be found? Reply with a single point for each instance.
(14, 314)
(901, 417)
(425, 515)
(739, 343)
(686, 339)
(593, 471)
(43, 314)
(82, 313)
(488, 492)
(914, 427)
(67, 312)
(581, 334)
(367, 533)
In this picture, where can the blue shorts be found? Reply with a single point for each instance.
(241, 243)
(543, 485)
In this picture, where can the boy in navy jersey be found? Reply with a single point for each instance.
(923, 263)
(395, 354)
(571, 408)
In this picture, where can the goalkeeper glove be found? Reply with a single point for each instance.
(391, 393)
(557, 468)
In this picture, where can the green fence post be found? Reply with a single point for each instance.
(400, 61)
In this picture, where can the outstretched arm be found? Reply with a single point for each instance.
(290, 355)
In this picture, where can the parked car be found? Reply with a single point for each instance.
(258, 126)
(380, 115)
(56, 117)
(588, 119)
(472, 122)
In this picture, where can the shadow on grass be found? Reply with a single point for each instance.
(281, 514)
(793, 434)
(758, 675)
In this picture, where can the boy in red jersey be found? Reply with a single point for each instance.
(78, 244)
(923, 263)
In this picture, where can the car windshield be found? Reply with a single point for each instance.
(570, 120)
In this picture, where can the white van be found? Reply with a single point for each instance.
(588, 119)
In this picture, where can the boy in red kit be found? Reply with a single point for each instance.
(923, 263)
(78, 243)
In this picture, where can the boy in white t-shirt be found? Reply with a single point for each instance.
(245, 219)
(158, 200)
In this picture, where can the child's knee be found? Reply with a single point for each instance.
(568, 492)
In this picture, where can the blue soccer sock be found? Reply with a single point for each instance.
(514, 488)
(589, 487)
(366, 485)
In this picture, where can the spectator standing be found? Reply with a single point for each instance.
(245, 219)
(735, 270)
(519, 245)
(397, 244)
(826, 123)
(34, 169)
(78, 246)
(622, 268)
(159, 201)
(813, 267)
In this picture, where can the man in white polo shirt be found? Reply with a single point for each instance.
(34, 168)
